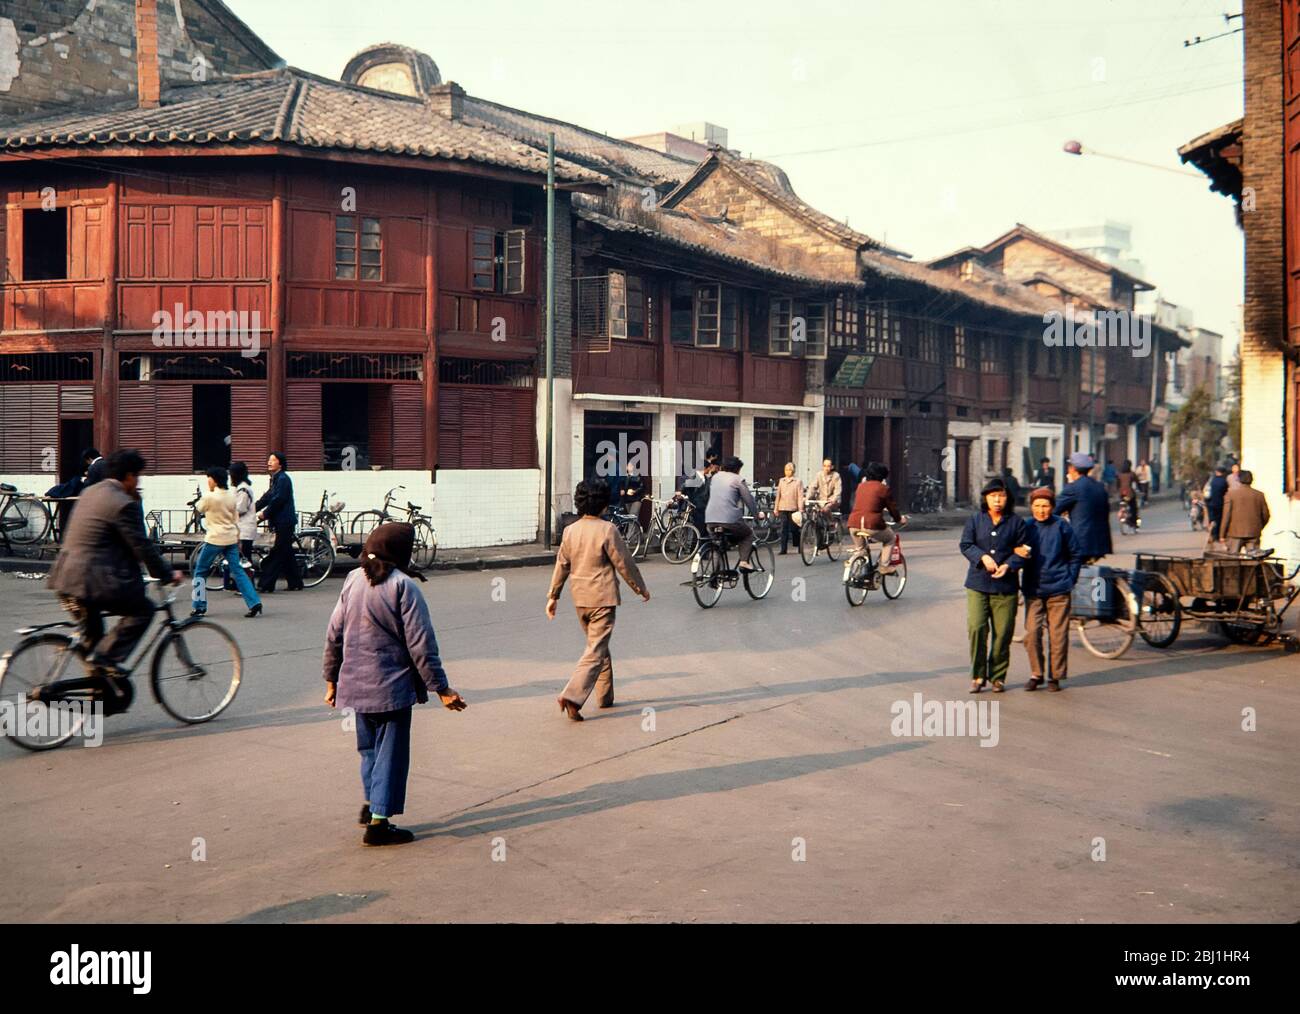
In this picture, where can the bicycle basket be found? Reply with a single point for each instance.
(336, 506)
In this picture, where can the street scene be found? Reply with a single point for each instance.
(517, 464)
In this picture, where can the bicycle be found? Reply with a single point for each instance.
(426, 539)
(328, 516)
(820, 531)
(24, 518)
(189, 655)
(862, 574)
(1128, 525)
(313, 550)
(712, 573)
(670, 525)
(628, 527)
(768, 528)
(928, 498)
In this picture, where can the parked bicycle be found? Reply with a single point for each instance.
(670, 529)
(928, 497)
(712, 571)
(628, 526)
(862, 573)
(313, 550)
(820, 532)
(329, 516)
(768, 526)
(195, 672)
(426, 540)
(25, 520)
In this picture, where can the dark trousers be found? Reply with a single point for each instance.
(1053, 614)
(742, 535)
(114, 648)
(789, 531)
(280, 558)
(1216, 518)
(384, 742)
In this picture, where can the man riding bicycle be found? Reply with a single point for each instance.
(827, 488)
(728, 498)
(870, 502)
(97, 571)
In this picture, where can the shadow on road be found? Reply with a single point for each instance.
(320, 907)
(653, 788)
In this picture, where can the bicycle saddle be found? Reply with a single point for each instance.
(6, 488)
(412, 506)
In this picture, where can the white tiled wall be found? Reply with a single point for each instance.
(471, 507)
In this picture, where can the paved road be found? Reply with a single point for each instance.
(771, 724)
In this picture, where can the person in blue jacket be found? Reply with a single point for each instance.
(1047, 580)
(276, 508)
(1215, 500)
(989, 543)
(1086, 503)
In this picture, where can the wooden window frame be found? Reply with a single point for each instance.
(779, 317)
(498, 260)
(816, 318)
(702, 318)
(959, 356)
(358, 227)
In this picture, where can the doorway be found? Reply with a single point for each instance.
(75, 436)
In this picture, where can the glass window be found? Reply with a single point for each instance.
(617, 314)
(682, 313)
(730, 318)
(778, 335)
(482, 259)
(708, 299)
(345, 246)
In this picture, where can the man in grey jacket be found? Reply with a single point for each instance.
(98, 567)
(728, 498)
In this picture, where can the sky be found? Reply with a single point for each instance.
(928, 124)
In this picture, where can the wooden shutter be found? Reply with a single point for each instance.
(449, 427)
(303, 444)
(408, 426)
(248, 425)
(379, 413)
(76, 400)
(175, 427)
(31, 425)
(136, 420)
(523, 428)
(487, 427)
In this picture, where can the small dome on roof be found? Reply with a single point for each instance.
(393, 68)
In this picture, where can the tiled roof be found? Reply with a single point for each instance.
(599, 151)
(985, 287)
(718, 240)
(292, 107)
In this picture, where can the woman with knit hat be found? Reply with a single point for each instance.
(381, 658)
(1047, 581)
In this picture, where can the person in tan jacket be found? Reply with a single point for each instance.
(221, 540)
(591, 557)
(1245, 515)
(789, 500)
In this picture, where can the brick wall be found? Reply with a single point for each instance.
(68, 53)
(1263, 370)
(1024, 258)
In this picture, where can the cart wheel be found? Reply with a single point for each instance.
(1159, 614)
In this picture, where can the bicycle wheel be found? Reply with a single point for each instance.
(426, 546)
(808, 540)
(1110, 638)
(893, 584)
(837, 539)
(855, 581)
(25, 520)
(1159, 614)
(315, 556)
(366, 522)
(196, 671)
(706, 571)
(630, 529)
(215, 578)
(37, 661)
(680, 542)
(759, 581)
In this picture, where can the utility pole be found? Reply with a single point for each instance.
(550, 326)
(1092, 401)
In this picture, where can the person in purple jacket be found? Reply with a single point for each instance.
(381, 657)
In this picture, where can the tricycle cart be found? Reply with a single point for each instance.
(1247, 596)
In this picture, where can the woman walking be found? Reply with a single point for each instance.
(277, 508)
(789, 499)
(1047, 579)
(988, 542)
(220, 522)
(381, 658)
(246, 516)
(593, 554)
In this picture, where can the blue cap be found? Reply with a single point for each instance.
(1081, 460)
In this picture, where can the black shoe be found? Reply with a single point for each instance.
(198, 612)
(118, 692)
(364, 818)
(384, 833)
(255, 611)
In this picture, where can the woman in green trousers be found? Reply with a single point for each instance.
(989, 542)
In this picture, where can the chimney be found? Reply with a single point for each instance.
(148, 83)
(447, 100)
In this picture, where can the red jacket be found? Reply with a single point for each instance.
(869, 504)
